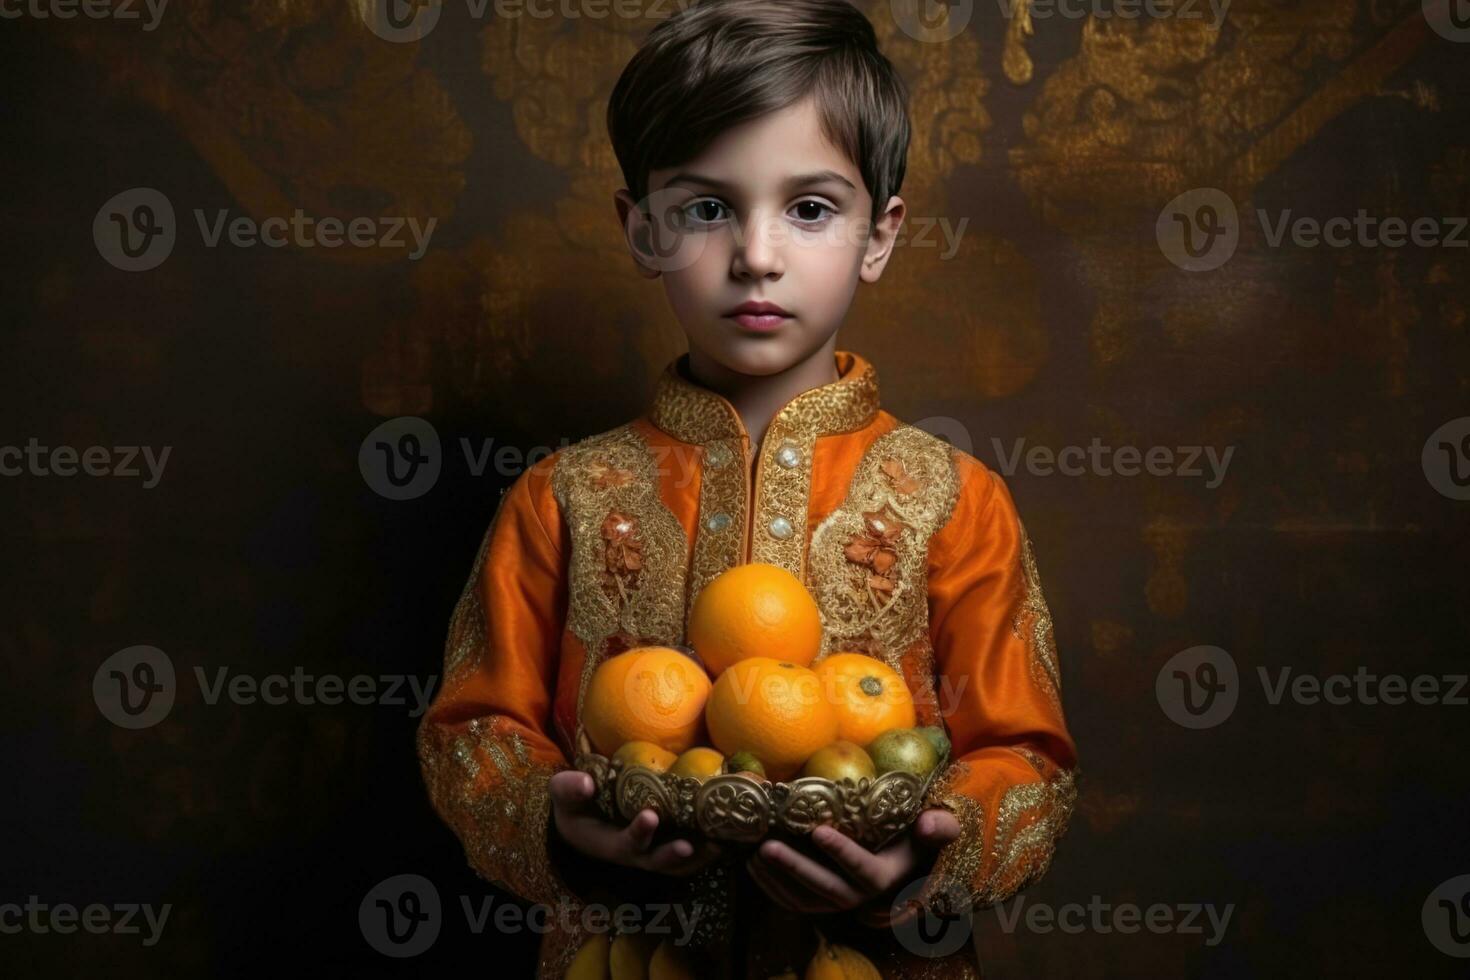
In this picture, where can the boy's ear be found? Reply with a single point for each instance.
(637, 232)
(882, 238)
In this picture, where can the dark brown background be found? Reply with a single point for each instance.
(1059, 320)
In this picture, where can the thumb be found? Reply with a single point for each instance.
(571, 787)
(936, 827)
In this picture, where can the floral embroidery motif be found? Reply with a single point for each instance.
(898, 475)
(624, 552)
(868, 559)
(877, 550)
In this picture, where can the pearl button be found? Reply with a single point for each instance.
(788, 456)
(780, 528)
(718, 456)
(718, 522)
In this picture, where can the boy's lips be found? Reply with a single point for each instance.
(759, 317)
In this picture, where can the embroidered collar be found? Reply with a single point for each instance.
(695, 414)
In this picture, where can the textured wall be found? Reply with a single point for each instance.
(1061, 318)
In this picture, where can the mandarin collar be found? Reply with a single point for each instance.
(693, 413)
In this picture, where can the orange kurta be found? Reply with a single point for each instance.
(959, 613)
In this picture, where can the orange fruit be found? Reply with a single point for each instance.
(870, 696)
(754, 610)
(645, 754)
(648, 694)
(773, 709)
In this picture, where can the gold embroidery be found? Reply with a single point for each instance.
(782, 493)
(485, 785)
(921, 501)
(718, 535)
(1030, 819)
(1033, 624)
(642, 606)
(698, 415)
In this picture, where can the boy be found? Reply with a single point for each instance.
(763, 143)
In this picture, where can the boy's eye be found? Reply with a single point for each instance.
(810, 211)
(704, 211)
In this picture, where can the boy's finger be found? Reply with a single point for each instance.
(792, 894)
(640, 831)
(807, 872)
(936, 827)
(856, 860)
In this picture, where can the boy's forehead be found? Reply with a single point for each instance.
(767, 152)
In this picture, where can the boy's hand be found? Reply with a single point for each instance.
(582, 825)
(800, 884)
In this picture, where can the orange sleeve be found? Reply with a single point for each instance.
(484, 745)
(1010, 781)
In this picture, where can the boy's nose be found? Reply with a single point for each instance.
(758, 249)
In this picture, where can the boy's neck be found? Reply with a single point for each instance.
(757, 398)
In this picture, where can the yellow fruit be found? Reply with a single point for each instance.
(630, 955)
(754, 610)
(870, 696)
(840, 760)
(645, 754)
(649, 694)
(699, 762)
(671, 962)
(774, 709)
(833, 962)
(591, 961)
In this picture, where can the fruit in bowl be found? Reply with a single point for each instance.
(773, 709)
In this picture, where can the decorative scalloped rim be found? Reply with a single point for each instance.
(622, 792)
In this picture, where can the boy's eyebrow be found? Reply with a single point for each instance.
(789, 184)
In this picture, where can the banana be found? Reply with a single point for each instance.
(630, 955)
(590, 962)
(834, 962)
(670, 962)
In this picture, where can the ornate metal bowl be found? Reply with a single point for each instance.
(740, 809)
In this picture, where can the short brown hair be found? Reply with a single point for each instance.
(719, 63)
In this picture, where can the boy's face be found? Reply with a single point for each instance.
(769, 213)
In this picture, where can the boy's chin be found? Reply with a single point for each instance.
(758, 356)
